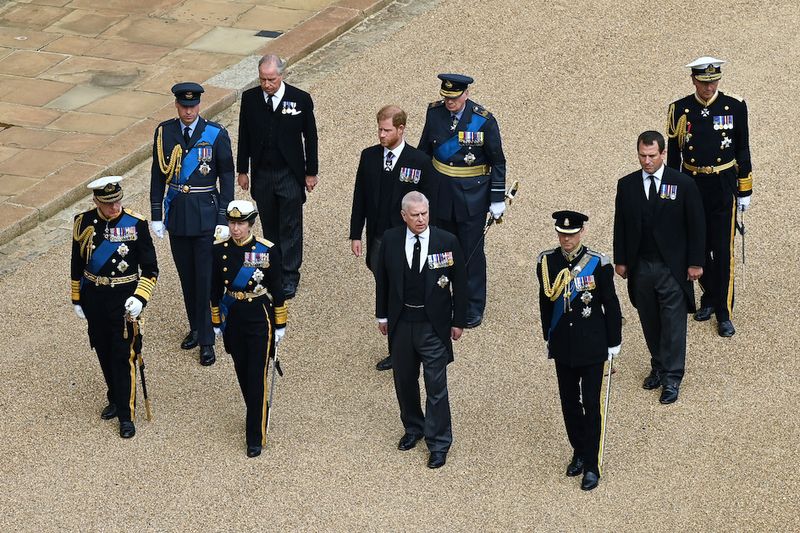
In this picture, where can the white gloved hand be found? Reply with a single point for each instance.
(79, 311)
(279, 333)
(497, 209)
(217, 331)
(222, 232)
(613, 351)
(133, 306)
(158, 228)
(743, 202)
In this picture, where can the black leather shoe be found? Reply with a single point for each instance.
(190, 341)
(126, 429)
(652, 381)
(207, 357)
(408, 441)
(474, 322)
(109, 412)
(575, 467)
(253, 451)
(726, 329)
(437, 459)
(669, 394)
(703, 314)
(289, 291)
(385, 363)
(590, 480)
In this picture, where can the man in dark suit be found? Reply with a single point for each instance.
(659, 239)
(278, 143)
(386, 172)
(421, 304)
(463, 139)
(582, 324)
(190, 155)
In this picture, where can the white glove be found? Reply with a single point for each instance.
(613, 351)
(743, 202)
(217, 331)
(79, 312)
(158, 228)
(222, 232)
(279, 333)
(497, 209)
(133, 306)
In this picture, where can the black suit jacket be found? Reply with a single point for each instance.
(369, 190)
(678, 225)
(445, 303)
(297, 138)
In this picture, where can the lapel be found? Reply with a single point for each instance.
(378, 164)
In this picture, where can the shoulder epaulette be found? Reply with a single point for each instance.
(735, 96)
(168, 121)
(604, 259)
(265, 241)
(544, 253)
(134, 214)
(437, 103)
(482, 111)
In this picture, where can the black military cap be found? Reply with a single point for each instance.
(241, 211)
(569, 221)
(106, 189)
(454, 85)
(187, 93)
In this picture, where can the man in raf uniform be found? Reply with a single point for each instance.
(709, 140)
(463, 139)
(190, 155)
(386, 172)
(113, 273)
(582, 324)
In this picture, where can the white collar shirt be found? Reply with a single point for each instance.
(646, 180)
(424, 239)
(277, 97)
(396, 152)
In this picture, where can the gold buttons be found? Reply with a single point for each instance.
(253, 247)
(113, 273)
(226, 282)
(250, 282)
(685, 110)
(113, 260)
(691, 147)
(224, 256)
(249, 299)
(692, 160)
(726, 108)
(224, 269)
(719, 160)
(225, 245)
(694, 173)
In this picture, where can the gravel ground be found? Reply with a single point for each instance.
(572, 84)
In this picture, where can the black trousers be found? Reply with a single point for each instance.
(249, 339)
(279, 198)
(414, 343)
(470, 237)
(579, 389)
(192, 256)
(662, 308)
(719, 203)
(112, 338)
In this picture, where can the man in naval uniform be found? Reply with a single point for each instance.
(709, 140)
(193, 163)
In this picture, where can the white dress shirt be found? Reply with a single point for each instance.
(192, 126)
(396, 151)
(424, 238)
(646, 181)
(277, 97)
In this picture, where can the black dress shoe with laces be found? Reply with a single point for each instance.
(703, 314)
(474, 322)
(408, 441)
(109, 412)
(590, 480)
(126, 429)
(669, 394)
(207, 357)
(652, 381)
(726, 329)
(385, 363)
(437, 459)
(253, 451)
(190, 341)
(575, 467)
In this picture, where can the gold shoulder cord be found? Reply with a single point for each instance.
(676, 130)
(84, 238)
(174, 167)
(562, 279)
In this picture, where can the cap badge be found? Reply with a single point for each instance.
(448, 84)
(710, 69)
(566, 222)
(109, 188)
(235, 212)
(189, 95)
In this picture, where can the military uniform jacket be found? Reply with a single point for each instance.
(191, 213)
(264, 268)
(116, 255)
(711, 134)
(471, 148)
(593, 323)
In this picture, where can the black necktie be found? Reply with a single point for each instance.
(651, 195)
(186, 135)
(415, 257)
(269, 103)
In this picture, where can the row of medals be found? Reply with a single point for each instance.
(470, 157)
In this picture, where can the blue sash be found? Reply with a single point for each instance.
(448, 148)
(103, 253)
(189, 165)
(559, 309)
(239, 284)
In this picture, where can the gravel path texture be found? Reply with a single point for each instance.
(572, 85)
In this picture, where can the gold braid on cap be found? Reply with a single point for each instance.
(676, 130)
(174, 167)
(84, 238)
(562, 280)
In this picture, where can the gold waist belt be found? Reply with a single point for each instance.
(189, 189)
(710, 170)
(460, 172)
(242, 295)
(104, 280)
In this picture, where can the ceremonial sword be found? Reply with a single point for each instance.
(510, 194)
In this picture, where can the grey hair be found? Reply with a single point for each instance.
(414, 197)
(273, 61)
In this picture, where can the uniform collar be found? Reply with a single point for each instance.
(575, 253)
(710, 101)
(245, 242)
